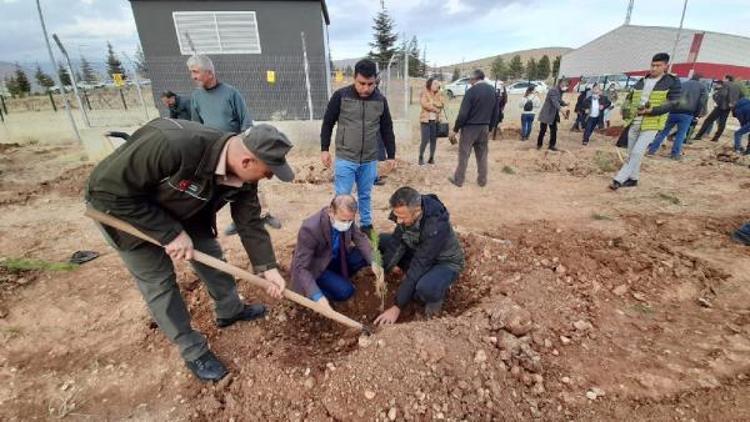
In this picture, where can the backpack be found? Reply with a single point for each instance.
(529, 106)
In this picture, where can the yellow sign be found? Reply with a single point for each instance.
(339, 76)
(271, 76)
(118, 80)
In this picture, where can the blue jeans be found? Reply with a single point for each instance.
(347, 174)
(591, 123)
(527, 120)
(336, 287)
(682, 120)
(742, 131)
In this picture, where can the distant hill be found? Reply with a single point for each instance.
(486, 63)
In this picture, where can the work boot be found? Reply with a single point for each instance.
(431, 160)
(615, 185)
(379, 181)
(630, 183)
(207, 367)
(433, 309)
(249, 313)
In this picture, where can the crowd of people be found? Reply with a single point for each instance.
(173, 175)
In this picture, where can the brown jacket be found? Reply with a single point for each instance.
(431, 103)
(314, 252)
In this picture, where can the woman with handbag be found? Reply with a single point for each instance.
(432, 104)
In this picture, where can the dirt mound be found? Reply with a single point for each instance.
(70, 183)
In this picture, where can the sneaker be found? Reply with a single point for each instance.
(207, 367)
(271, 221)
(453, 182)
(615, 185)
(585, 143)
(630, 183)
(249, 313)
(741, 239)
(433, 309)
(379, 181)
(675, 157)
(231, 229)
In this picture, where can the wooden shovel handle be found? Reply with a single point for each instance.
(220, 265)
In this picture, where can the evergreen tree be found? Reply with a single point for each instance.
(456, 74)
(531, 69)
(12, 86)
(43, 79)
(515, 70)
(114, 65)
(23, 86)
(384, 38)
(424, 71)
(87, 72)
(543, 68)
(499, 69)
(556, 67)
(415, 66)
(140, 62)
(62, 71)
(349, 71)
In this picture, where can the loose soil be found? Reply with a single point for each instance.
(576, 303)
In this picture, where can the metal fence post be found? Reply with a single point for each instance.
(307, 76)
(137, 85)
(52, 100)
(72, 80)
(406, 85)
(57, 76)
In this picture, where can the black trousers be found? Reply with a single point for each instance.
(552, 134)
(714, 115)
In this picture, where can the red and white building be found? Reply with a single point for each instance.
(629, 48)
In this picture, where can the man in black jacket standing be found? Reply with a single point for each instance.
(549, 116)
(362, 118)
(424, 247)
(169, 180)
(480, 111)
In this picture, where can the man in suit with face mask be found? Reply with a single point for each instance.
(330, 250)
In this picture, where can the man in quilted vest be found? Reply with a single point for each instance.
(654, 96)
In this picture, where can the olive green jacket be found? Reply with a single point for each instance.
(163, 181)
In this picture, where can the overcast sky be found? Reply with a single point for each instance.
(452, 30)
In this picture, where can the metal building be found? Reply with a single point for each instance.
(629, 48)
(257, 46)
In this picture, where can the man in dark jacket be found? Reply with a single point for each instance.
(692, 105)
(653, 97)
(425, 247)
(549, 116)
(178, 107)
(742, 113)
(330, 250)
(169, 181)
(361, 115)
(479, 113)
(579, 110)
(726, 96)
(593, 108)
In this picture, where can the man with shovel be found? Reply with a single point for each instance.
(169, 181)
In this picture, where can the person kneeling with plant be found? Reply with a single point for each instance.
(424, 247)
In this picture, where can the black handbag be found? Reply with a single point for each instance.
(443, 128)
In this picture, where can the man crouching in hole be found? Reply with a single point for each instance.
(424, 247)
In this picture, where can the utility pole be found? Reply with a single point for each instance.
(57, 75)
(629, 13)
(677, 38)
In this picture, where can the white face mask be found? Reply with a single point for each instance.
(341, 226)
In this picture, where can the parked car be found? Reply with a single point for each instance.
(520, 87)
(458, 87)
(621, 81)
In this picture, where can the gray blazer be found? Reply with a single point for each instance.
(552, 104)
(314, 252)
